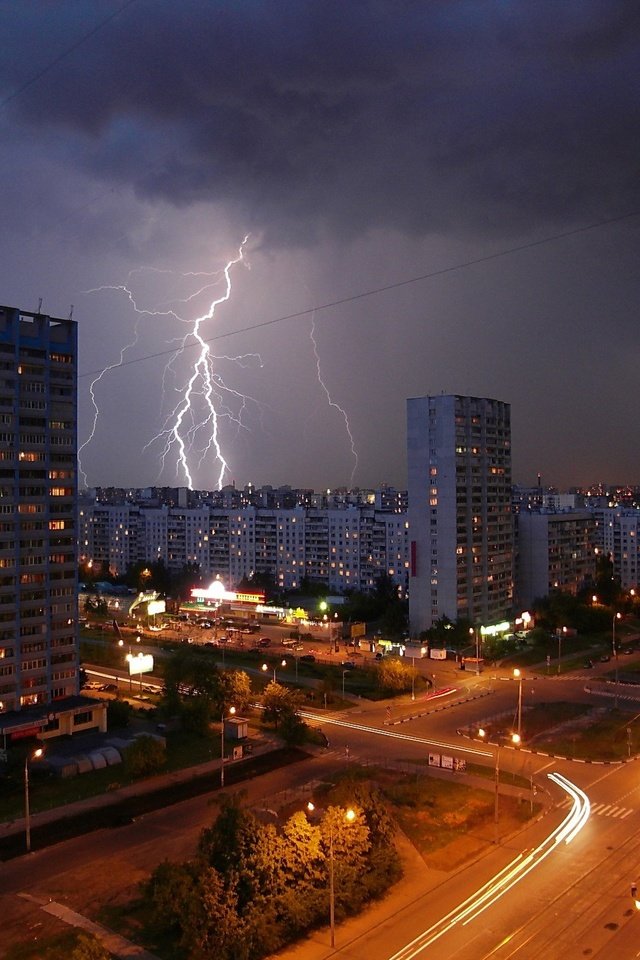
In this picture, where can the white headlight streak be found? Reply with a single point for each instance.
(509, 876)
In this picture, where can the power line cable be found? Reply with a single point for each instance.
(443, 271)
(65, 53)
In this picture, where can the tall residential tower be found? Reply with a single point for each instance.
(460, 522)
(38, 537)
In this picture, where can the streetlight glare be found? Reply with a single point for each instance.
(350, 816)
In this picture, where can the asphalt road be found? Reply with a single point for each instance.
(575, 903)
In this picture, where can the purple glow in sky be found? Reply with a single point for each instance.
(359, 145)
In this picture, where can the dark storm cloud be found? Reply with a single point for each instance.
(349, 115)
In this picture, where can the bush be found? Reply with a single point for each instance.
(118, 714)
(145, 756)
(88, 948)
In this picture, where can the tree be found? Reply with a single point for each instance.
(170, 889)
(235, 687)
(118, 714)
(89, 948)
(394, 676)
(293, 729)
(145, 756)
(278, 701)
(212, 926)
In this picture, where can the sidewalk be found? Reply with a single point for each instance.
(139, 788)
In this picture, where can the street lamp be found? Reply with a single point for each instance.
(128, 660)
(473, 632)
(515, 740)
(265, 667)
(349, 817)
(614, 648)
(518, 676)
(560, 632)
(232, 710)
(37, 753)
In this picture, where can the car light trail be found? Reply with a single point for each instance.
(515, 871)
(472, 751)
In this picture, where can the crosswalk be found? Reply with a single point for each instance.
(604, 809)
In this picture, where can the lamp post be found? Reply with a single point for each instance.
(515, 739)
(344, 673)
(560, 632)
(474, 632)
(614, 648)
(413, 678)
(265, 667)
(128, 660)
(27, 813)
(232, 710)
(518, 676)
(349, 817)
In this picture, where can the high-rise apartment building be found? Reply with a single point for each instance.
(460, 520)
(38, 548)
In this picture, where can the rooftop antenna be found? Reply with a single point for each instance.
(39, 305)
(71, 312)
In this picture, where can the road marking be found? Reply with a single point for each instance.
(605, 810)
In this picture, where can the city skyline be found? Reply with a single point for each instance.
(435, 202)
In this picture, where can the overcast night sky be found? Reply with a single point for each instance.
(487, 151)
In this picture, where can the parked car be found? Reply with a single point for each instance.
(605, 658)
(307, 658)
(264, 642)
(348, 665)
(108, 688)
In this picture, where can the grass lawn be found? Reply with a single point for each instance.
(577, 730)
(56, 947)
(605, 738)
(183, 750)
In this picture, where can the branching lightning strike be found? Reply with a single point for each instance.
(192, 427)
(331, 402)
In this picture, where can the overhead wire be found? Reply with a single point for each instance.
(375, 291)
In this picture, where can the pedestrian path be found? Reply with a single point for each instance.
(604, 809)
(116, 945)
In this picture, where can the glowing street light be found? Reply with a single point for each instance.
(518, 676)
(560, 633)
(128, 660)
(349, 817)
(232, 710)
(35, 755)
(265, 667)
(515, 740)
(614, 648)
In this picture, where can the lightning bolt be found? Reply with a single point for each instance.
(192, 427)
(332, 402)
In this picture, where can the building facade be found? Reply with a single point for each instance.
(346, 549)
(460, 517)
(38, 575)
(555, 552)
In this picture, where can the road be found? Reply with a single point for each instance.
(575, 903)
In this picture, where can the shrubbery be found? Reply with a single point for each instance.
(251, 889)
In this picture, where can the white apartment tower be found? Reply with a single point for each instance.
(460, 521)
